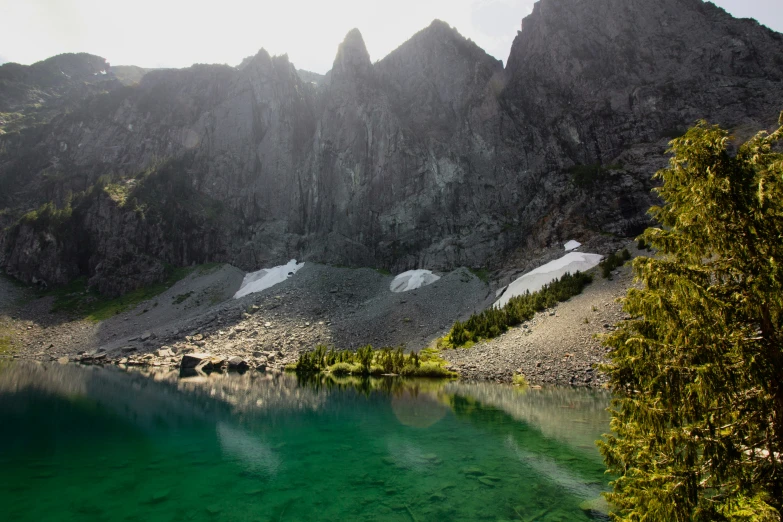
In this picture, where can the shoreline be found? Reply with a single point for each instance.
(329, 306)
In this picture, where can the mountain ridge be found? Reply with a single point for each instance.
(434, 156)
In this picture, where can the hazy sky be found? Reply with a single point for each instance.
(162, 33)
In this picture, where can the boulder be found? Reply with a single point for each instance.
(237, 363)
(193, 360)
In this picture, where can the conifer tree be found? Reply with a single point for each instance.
(697, 418)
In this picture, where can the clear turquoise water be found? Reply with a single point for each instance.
(88, 444)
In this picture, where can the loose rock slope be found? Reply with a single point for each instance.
(340, 307)
(559, 346)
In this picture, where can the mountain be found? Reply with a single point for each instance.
(310, 77)
(129, 74)
(33, 94)
(435, 156)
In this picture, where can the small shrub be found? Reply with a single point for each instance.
(341, 368)
(519, 380)
(641, 244)
(481, 273)
(181, 298)
(429, 369)
(613, 261)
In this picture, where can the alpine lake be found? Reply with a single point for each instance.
(87, 443)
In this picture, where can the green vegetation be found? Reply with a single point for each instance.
(14, 281)
(698, 372)
(11, 122)
(641, 244)
(519, 380)
(585, 176)
(494, 321)
(48, 217)
(368, 384)
(613, 261)
(162, 196)
(367, 361)
(78, 299)
(5, 341)
(481, 273)
(118, 192)
(208, 268)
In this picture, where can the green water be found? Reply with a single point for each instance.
(85, 444)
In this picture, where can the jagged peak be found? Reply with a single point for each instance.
(352, 57)
(439, 33)
(263, 60)
(439, 29)
(440, 24)
(262, 55)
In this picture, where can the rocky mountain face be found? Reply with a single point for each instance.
(32, 95)
(435, 156)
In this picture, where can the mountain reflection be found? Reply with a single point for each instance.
(568, 415)
(159, 447)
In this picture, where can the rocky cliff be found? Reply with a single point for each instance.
(434, 156)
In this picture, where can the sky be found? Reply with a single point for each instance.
(167, 33)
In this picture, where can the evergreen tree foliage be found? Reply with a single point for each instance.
(494, 321)
(698, 371)
(613, 261)
(364, 361)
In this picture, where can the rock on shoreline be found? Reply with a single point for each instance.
(327, 305)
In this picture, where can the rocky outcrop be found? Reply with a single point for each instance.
(434, 156)
(32, 95)
(625, 72)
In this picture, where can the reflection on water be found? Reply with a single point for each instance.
(255, 455)
(89, 443)
(418, 409)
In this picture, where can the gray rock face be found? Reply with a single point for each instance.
(63, 78)
(434, 156)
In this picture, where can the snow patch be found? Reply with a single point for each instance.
(572, 245)
(535, 279)
(266, 278)
(412, 279)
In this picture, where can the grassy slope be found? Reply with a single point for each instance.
(77, 299)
